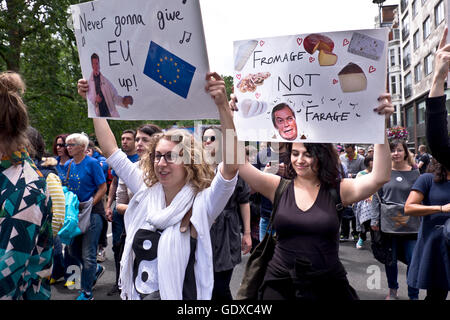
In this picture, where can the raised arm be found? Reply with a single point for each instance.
(354, 190)
(436, 111)
(441, 67)
(215, 86)
(105, 136)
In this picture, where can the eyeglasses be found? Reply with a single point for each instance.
(72, 144)
(170, 157)
(206, 138)
(60, 145)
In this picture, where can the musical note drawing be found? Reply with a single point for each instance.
(184, 36)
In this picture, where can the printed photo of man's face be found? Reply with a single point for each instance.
(283, 119)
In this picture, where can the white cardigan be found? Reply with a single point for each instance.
(208, 205)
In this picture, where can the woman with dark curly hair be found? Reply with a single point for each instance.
(305, 263)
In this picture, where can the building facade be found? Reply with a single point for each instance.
(422, 24)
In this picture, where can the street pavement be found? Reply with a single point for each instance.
(365, 274)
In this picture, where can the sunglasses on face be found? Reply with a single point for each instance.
(206, 138)
(170, 157)
(71, 144)
(60, 145)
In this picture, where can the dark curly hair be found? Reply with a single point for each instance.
(326, 157)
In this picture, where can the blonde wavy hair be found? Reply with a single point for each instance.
(190, 151)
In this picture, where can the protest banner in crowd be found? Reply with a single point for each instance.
(143, 60)
(319, 87)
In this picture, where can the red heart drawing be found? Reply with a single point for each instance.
(238, 76)
(372, 69)
(257, 95)
(346, 42)
(261, 43)
(311, 59)
(299, 41)
(335, 81)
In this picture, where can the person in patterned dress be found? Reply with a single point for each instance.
(26, 239)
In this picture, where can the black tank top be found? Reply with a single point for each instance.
(311, 234)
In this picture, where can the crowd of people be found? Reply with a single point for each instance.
(184, 211)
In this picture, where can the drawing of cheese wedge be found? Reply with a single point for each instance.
(243, 53)
(252, 108)
(352, 78)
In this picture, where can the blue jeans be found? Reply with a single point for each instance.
(59, 267)
(84, 249)
(117, 227)
(392, 270)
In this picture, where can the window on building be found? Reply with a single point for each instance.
(428, 64)
(408, 88)
(405, 27)
(406, 56)
(392, 57)
(409, 117)
(439, 13)
(414, 8)
(393, 85)
(408, 79)
(417, 73)
(421, 112)
(416, 40)
(447, 102)
(393, 119)
(426, 28)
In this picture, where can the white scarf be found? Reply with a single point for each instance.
(173, 247)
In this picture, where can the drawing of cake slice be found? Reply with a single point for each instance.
(352, 78)
(244, 52)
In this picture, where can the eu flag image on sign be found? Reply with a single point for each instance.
(169, 70)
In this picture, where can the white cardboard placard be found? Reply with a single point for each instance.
(331, 82)
(153, 51)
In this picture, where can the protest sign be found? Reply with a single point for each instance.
(143, 59)
(319, 87)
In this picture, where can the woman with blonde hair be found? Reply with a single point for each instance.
(172, 185)
(26, 238)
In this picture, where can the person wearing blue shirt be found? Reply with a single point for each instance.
(93, 152)
(85, 178)
(430, 265)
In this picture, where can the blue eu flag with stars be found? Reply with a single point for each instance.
(169, 70)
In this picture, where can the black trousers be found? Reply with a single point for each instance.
(345, 226)
(221, 290)
(308, 284)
